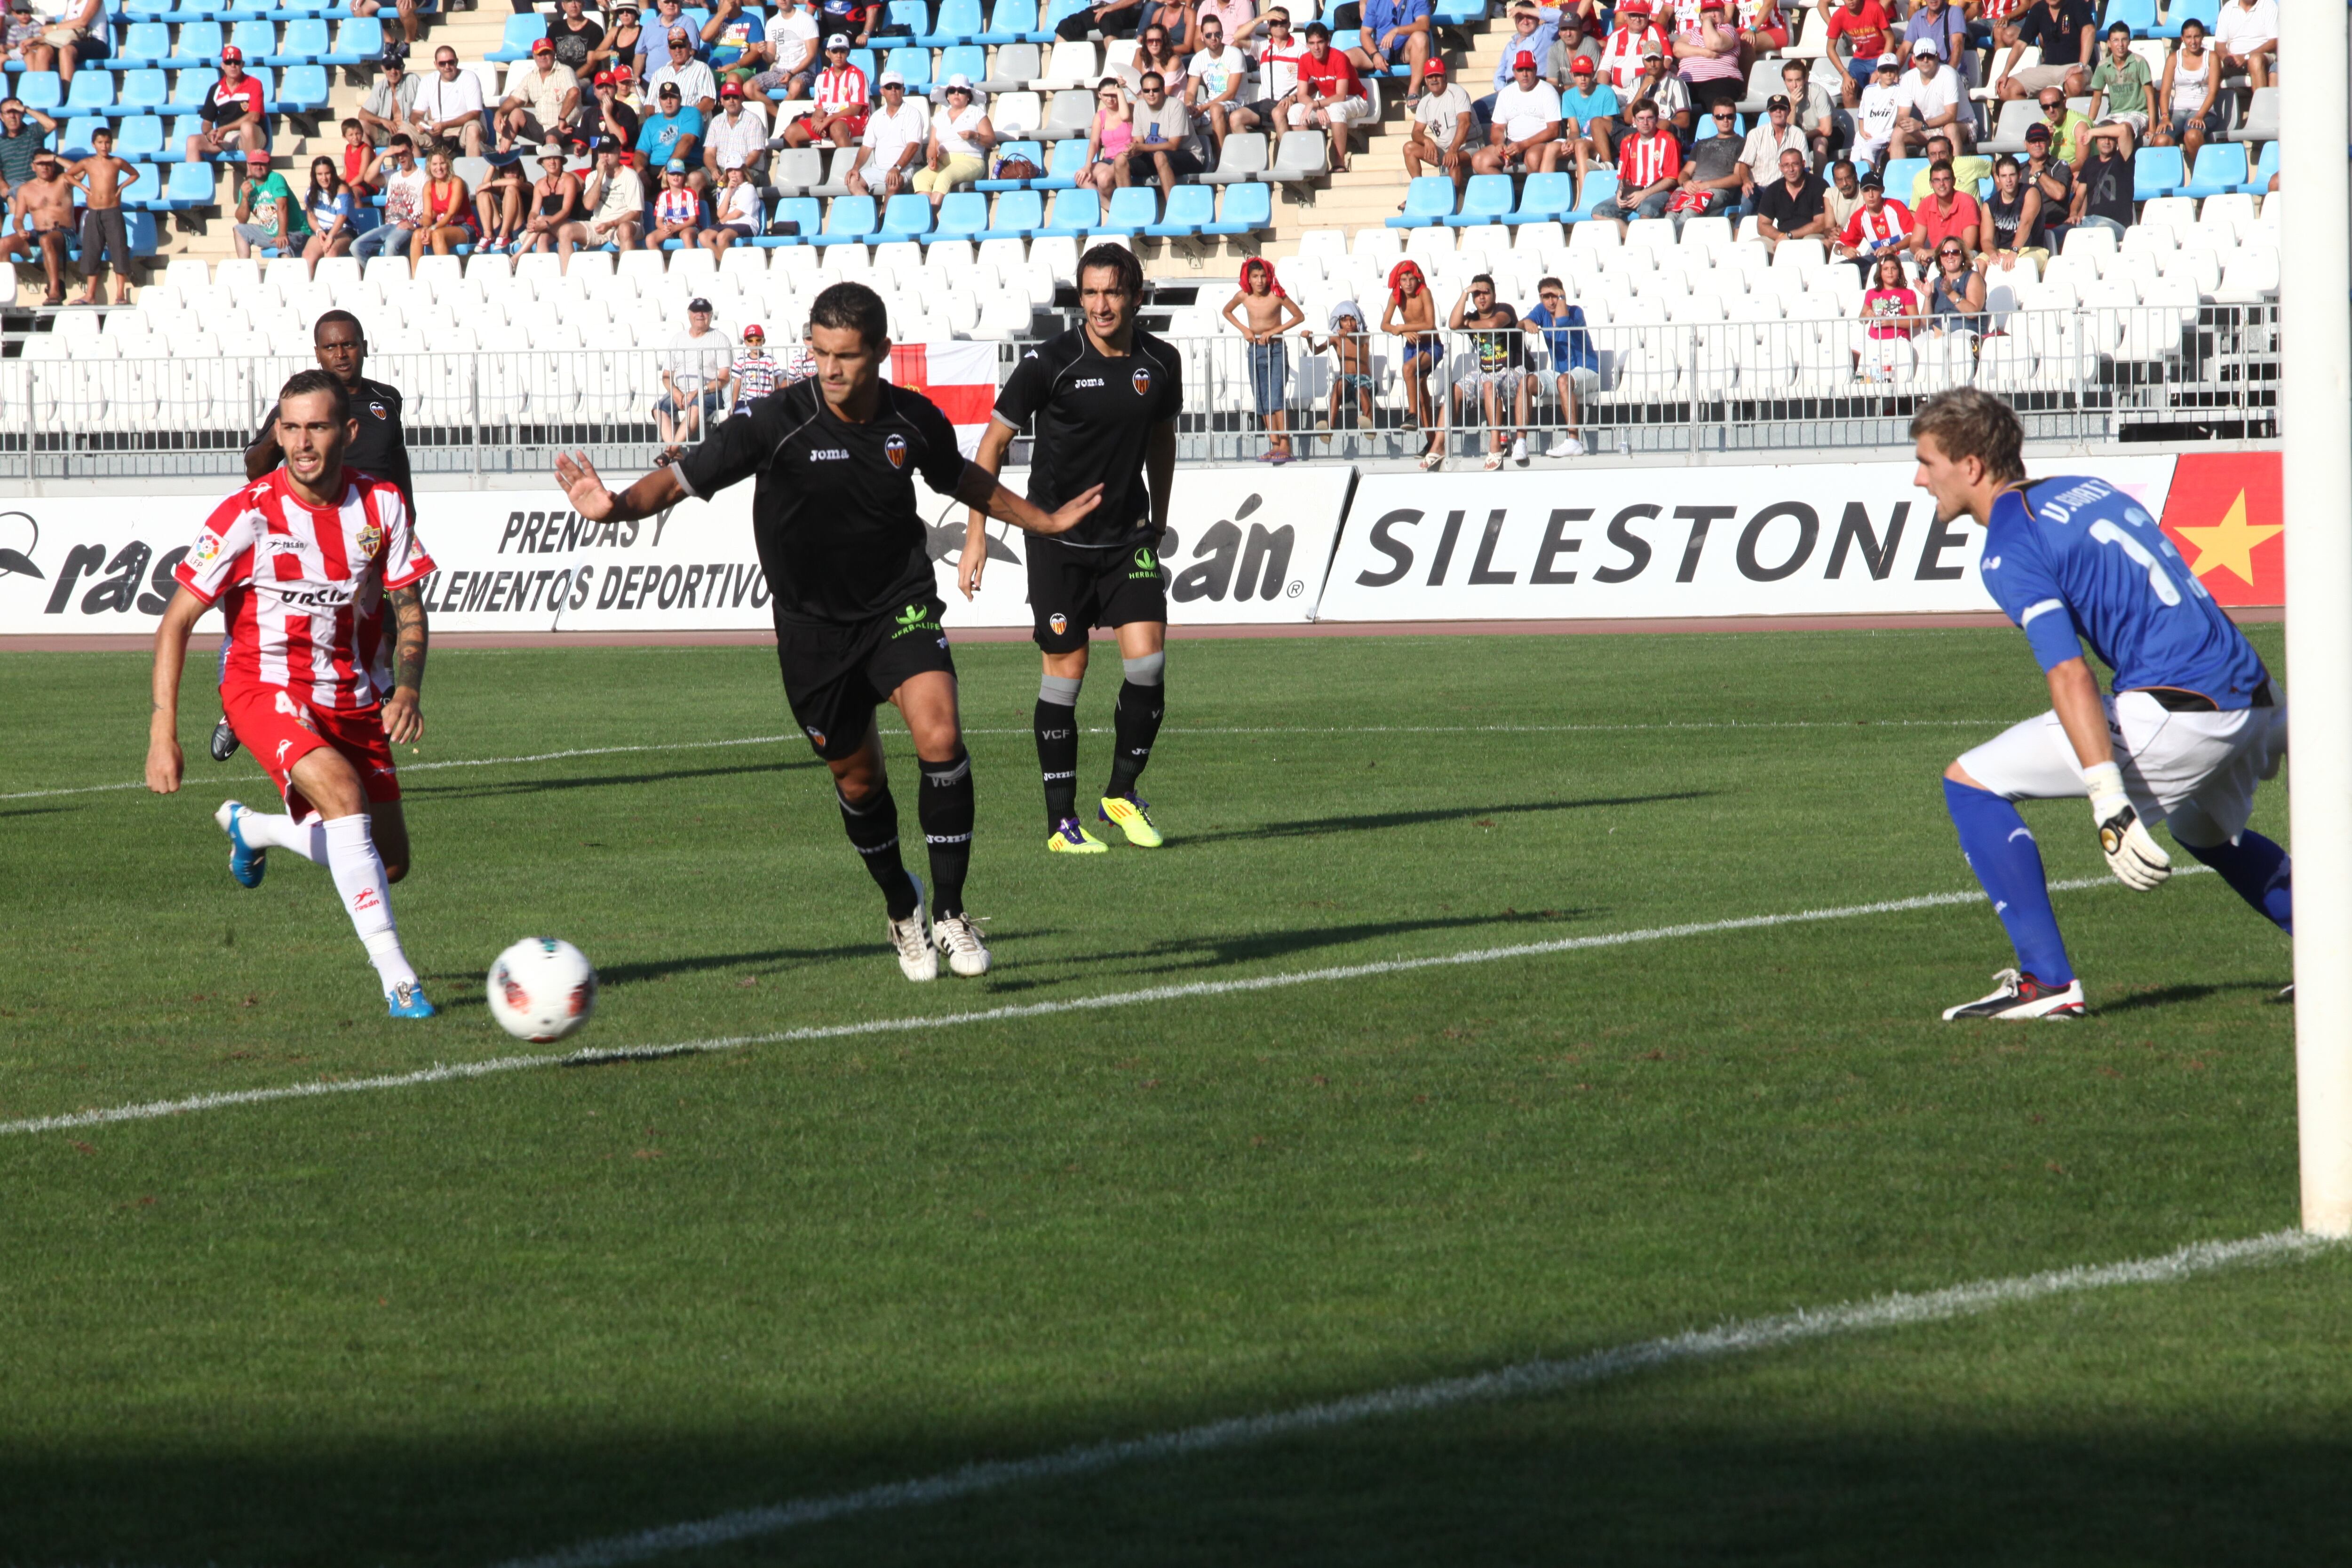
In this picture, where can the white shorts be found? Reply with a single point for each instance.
(2197, 769)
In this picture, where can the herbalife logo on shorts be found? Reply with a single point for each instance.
(913, 618)
(1147, 566)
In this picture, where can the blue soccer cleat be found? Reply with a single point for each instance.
(408, 1001)
(246, 862)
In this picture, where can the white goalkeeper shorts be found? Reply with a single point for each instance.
(2197, 770)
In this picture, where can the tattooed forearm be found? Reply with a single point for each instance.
(409, 638)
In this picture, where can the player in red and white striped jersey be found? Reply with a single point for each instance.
(304, 563)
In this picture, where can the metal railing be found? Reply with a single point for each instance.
(1662, 389)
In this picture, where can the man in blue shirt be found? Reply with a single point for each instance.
(1588, 110)
(2193, 725)
(1575, 367)
(674, 135)
(1393, 30)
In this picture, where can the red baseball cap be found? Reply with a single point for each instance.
(1581, 65)
(232, 53)
(1525, 62)
(1434, 67)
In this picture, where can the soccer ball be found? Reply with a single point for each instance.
(543, 988)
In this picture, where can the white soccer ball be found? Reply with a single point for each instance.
(543, 988)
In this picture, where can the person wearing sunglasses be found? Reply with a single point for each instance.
(1956, 291)
(1108, 137)
(1278, 69)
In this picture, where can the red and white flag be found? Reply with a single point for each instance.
(960, 377)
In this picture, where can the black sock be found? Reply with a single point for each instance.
(1057, 760)
(1134, 726)
(874, 829)
(946, 812)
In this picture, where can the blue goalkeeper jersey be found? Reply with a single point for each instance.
(2075, 561)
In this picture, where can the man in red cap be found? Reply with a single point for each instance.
(1526, 124)
(1439, 139)
(1634, 36)
(540, 101)
(231, 112)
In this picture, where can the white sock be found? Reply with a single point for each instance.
(306, 838)
(367, 898)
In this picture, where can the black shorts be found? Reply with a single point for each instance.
(1071, 591)
(835, 676)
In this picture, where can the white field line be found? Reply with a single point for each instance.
(1173, 729)
(1519, 1381)
(156, 1108)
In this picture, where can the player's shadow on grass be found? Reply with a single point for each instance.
(2176, 995)
(491, 789)
(1205, 954)
(35, 811)
(1312, 828)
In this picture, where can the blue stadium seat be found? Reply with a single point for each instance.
(42, 90)
(1247, 208)
(1486, 199)
(1049, 16)
(299, 10)
(905, 16)
(144, 189)
(358, 42)
(912, 63)
(1033, 151)
(267, 79)
(1600, 188)
(304, 43)
(1019, 215)
(241, 11)
(189, 87)
(92, 92)
(143, 92)
(863, 61)
(848, 220)
(189, 186)
(2264, 167)
(2182, 12)
(1545, 198)
(2156, 172)
(142, 136)
(1133, 209)
(963, 215)
(962, 60)
(1014, 21)
(73, 137)
(181, 128)
(2220, 168)
(1901, 174)
(957, 22)
(1191, 208)
(199, 43)
(257, 39)
(144, 44)
(1459, 13)
(1063, 166)
(1076, 214)
(908, 217)
(1428, 201)
(522, 31)
(304, 90)
(2139, 15)
(805, 211)
(147, 10)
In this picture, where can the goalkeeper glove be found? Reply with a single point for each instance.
(2135, 859)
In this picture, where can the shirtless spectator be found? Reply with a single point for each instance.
(231, 112)
(540, 100)
(100, 177)
(44, 206)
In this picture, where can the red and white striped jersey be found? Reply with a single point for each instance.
(1645, 160)
(303, 588)
(1621, 57)
(839, 90)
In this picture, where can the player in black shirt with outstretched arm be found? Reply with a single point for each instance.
(857, 609)
(1105, 398)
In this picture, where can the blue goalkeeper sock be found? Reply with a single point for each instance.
(2260, 871)
(2001, 852)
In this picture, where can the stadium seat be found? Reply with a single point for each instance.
(42, 90)
(258, 38)
(915, 65)
(189, 186)
(1299, 157)
(1429, 200)
(304, 43)
(1015, 22)
(1006, 151)
(848, 220)
(1545, 198)
(189, 88)
(907, 16)
(1132, 210)
(144, 44)
(1070, 113)
(147, 10)
(1598, 189)
(961, 59)
(359, 41)
(141, 92)
(2267, 165)
(1075, 213)
(144, 189)
(2180, 12)
(1018, 215)
(73, 139)
(1051, 13)
(1243, 158)
(804, 211)
(303, 91)
(796, 170)
(1486, 199)
(521, 32)
(2017, 116)
(963, 214)
(2220, 168)
(1191, 208)
(959, 22)
(2139, 15)
(1245, 209)
(1063, 162)
(1011, 70)
(2156, 172)
(92, 92)
(906, 216)
(1016, 114)
(139, 136)
(2261, 121)
(1901, 174)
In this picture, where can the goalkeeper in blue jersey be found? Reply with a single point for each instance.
(2193, 724)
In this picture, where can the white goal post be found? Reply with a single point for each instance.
(2316, 430)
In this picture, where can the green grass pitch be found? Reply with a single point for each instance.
(471, 1321)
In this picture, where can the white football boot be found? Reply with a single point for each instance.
(911, 939)
(2018, 995)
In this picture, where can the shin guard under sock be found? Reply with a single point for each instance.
(2002, 851)
(1135, 724)
(873, 830)
(946, 812)
(2258, 870)
(358, 876)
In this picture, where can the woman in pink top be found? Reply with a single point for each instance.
(1891, 311)
(1108, 138)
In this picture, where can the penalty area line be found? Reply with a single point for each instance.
(1519, 1381)
(1104, 730)
(155, 1110)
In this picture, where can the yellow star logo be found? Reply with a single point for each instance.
(2230, 543)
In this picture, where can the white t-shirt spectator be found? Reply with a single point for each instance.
(890, 134)
(1874, 122)
(1278, 67)
(1930, 99)
(955, 130)
(1168, 122)
(1522, 111)
(1442, 111)
(731, 143)
(691, 360)
(438, 100)
(2238, 28)
(403, 195)
(1214, 71)
(694, 80)
(789, 36)
(738, 205)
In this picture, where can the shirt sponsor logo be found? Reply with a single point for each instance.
(895, 448)
(913, 618)
(1085, 381)
(208, 549)
(280, 544)
(1141, 381)
(1147, 566)
(828, 454)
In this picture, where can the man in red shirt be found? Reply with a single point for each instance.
(231, 112)
(303, 563)
(1947, 214)
(1329, 96)
(842, 101)
(1862, 25)
(1649, 161)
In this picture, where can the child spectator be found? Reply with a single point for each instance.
(1891, 310)
(1411, 314)
(1351, 348)
(677, 211)
(756, 370)
(1266, 312)
(100, 177)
